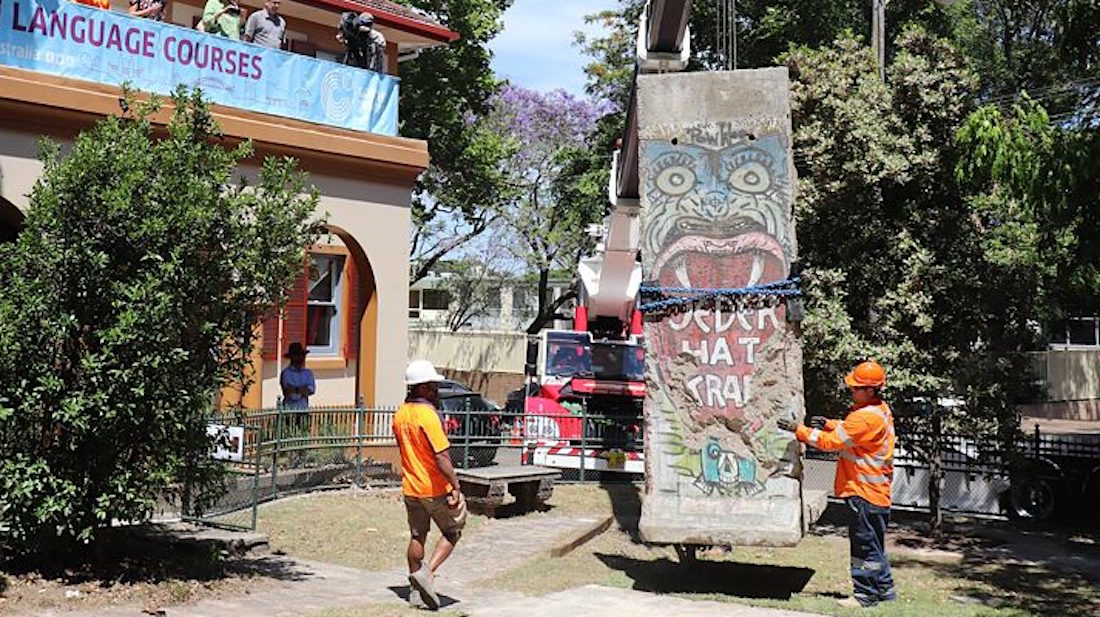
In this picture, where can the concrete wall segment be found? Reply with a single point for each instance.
(718, 188)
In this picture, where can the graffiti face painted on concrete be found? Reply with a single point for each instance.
(718, 218)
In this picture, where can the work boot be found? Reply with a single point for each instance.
(852, 603)
(421, 581)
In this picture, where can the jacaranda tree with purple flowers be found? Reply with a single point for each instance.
(547, 220)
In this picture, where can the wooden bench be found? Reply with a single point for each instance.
(485, 487)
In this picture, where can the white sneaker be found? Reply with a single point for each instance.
(421, 580)
(415, 600)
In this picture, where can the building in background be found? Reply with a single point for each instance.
(1068, 372)
(496, 303)
(350, 304)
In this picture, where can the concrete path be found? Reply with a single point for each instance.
(307, 587)
(501, 545)
(597, 601)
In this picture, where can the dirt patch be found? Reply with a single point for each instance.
(155, 577)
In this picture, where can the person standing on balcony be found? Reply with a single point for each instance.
(149, 9)
(222, 17)
(297, 380)
(266, 27)
(865, 440)
(366, 47)
(428, 480)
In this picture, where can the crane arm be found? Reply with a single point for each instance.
(611, 278)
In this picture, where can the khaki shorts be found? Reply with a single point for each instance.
(423, 510)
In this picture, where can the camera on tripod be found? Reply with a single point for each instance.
(366, 47)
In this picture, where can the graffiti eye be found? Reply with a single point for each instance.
(752, 177)
(676, 180)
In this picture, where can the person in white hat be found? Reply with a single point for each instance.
(428, 481)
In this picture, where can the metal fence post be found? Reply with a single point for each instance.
(935, 473)
(360, 412)
(256, 479)
(584, 435)
(275, 450)
(185, 495)
(466, 441)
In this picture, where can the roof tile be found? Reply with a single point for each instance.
(400, 10)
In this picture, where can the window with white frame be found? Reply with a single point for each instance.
(421, 300)
(1080, 332)
(326, 287)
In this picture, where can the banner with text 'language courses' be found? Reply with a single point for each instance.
(90, 44)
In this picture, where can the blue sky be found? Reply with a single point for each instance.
(535, 49)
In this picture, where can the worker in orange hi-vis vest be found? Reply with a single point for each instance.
(865, 440)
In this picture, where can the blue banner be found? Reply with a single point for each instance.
(81, 42)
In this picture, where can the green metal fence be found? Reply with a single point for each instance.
(292, 450)
(232, 503)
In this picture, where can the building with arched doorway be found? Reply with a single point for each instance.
(350, 304)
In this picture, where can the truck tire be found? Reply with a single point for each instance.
(1033, 496)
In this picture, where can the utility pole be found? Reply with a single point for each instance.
(726, 29)
(878, 35)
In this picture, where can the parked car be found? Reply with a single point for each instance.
(472, 422)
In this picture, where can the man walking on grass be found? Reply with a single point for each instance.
(865, 440)
(428, 480)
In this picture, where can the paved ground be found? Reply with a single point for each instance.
(324, 586)
(309, 587)
(596, 601)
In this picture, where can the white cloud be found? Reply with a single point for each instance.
(536, 50)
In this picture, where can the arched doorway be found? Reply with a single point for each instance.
(332, 311)
(11, 220)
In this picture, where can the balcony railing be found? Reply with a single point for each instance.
(79, 42)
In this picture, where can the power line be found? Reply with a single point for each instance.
(1045, 93)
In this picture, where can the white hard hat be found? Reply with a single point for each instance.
(421, 371)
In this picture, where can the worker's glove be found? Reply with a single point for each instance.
(818, 421)
(786, 424)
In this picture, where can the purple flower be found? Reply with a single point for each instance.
(543, 123)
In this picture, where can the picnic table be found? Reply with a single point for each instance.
(485, 487)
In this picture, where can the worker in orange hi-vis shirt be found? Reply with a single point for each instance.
(428, 481)
(865, 440)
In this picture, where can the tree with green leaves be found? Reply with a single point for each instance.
(129, 302)
(1033, 184)
(442, 91)
(1046, 47)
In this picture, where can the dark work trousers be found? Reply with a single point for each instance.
(871, 576)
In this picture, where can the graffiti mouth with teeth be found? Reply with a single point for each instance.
(717, 218)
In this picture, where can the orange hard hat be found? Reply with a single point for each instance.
(869, 374)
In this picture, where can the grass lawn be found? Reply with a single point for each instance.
(980, 579)
(365, 530)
